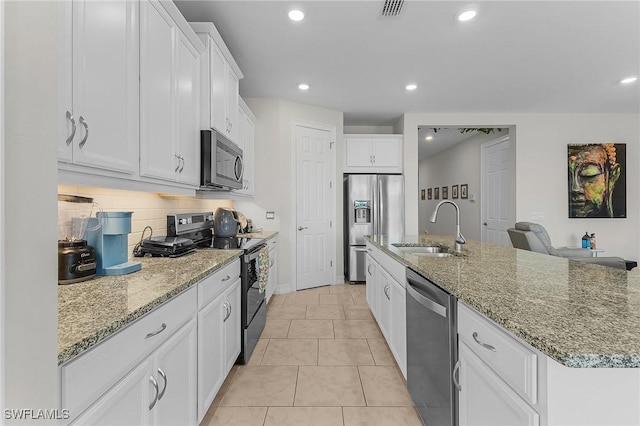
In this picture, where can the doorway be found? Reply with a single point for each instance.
(314, 204)
(496, 194)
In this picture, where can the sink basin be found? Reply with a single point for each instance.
(426, 250)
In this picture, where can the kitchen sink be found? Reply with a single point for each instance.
(424, 250)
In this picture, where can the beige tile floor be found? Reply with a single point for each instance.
(321, 361)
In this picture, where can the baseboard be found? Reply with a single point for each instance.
(283, 289)
(339, 280)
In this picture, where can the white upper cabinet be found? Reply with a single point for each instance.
(373, 154)
(220, 84)
(246, 141)
(99, 86)
(169, 95)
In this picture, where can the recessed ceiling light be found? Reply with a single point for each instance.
(296, 15)
(467, 15)
(629, 79)
(428, 138)
(411, 86)
(303, 86)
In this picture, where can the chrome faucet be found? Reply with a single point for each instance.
(459, 238)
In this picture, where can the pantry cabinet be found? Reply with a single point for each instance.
(169, 95)
(373, 153)
(220, 84)
(99, 99)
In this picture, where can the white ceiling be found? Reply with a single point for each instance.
(516, 56)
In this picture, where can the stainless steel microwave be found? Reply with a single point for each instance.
(221, 162)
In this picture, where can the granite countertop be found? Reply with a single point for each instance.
(581, 315)
(91, 311)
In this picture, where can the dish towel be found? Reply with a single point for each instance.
(263, 269)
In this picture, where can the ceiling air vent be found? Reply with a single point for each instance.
(392, 7)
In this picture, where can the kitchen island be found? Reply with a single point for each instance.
(542, 340)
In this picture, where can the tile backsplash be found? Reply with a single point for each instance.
(149, 209)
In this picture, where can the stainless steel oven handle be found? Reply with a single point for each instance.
(427, 303)
(253, 255)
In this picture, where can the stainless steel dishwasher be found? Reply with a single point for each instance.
(432, 351)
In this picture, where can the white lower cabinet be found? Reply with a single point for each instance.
(272, 283)
(385, 293)
(218, 343)
(485, 399)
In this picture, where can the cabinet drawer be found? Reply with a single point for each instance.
(272, 243)
(215, 284)
(87, 377)
(511, 360)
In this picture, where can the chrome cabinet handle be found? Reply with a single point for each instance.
(271, 262)
(230, 310)
(181, 167)
(300, 228)
(155, 398)
(73, 128)
(484, 345)
(374, 159)
(227, 309)
(178, 166)
(369, 250)
(86, 132)
(160, 330)
(386, 292)
(164, 388)
(227, 278)
(456, 381)
(369, 270)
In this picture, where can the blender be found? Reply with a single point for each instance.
(76, 259)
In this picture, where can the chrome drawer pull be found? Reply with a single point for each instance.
(226, 279)
(73, 127)
(153, 333)
(386, 292)
(155, 398)
(456, 369)
(86, 132)
(484, 345)
(164, 388)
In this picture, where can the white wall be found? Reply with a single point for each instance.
(459, 164)
(274, 173)
(541, 176)
(368, 130)
(30, 174)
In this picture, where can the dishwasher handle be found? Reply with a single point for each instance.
(426, 302)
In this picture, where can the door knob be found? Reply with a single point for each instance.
(485, 223)
(300, 228)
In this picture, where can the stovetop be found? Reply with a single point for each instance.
(234, 243)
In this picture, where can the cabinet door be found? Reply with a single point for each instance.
(218, 82)
(358, 152)
(105, 84)
(211, 352)
(158, 156)
(232, 326)
(248, 134)
(387, 152)
(188, 105)
(233, 93)
(127, 403)
(372, 285)
(485, 399)
(384, 301)
(175, 372)
(398, 325)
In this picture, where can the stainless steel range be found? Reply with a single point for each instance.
(190, 231)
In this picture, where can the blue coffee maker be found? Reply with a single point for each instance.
(111, 244)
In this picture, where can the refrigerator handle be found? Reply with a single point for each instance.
(376, 206)
(381, 217)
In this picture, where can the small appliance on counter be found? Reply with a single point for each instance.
(185, 232)
(76, 258)
(111, 243)
(225, 224)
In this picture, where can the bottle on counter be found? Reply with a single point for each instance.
(593, 242)
(586, 240)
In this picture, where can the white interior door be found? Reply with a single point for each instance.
(315, 241)
(496, 178)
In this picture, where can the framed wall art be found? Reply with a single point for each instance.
(597, 180)
(422, 191)
(463, 191)
(445, 192)
(429, 194)
(436, 193)
(454, 191)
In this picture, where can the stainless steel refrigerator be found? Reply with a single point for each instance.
(373, 205)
